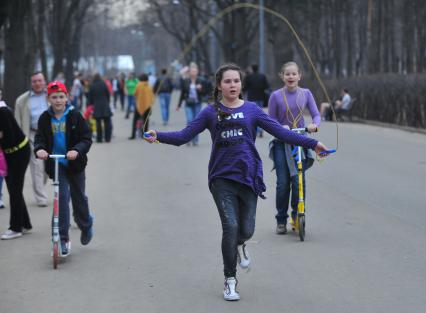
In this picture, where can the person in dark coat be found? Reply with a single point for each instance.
(256, 86)
(16, 148)
(99, 97)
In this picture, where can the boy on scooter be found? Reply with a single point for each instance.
(62, 130)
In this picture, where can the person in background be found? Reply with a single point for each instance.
(99, 96)
(1, 193)
(28, 108)
(118, 92)
(340, 105)
(164, 87)
(144, 100)
(1, 177)
(17, 150)
(76, 92)
(192, 93)
(130, 85)
(256, 85)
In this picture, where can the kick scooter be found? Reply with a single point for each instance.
(299, 223)
(56, 250)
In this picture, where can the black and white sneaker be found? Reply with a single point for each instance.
(230, 292)
(243, 256)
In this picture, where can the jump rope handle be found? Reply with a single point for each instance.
(147, 135)
(327, 152)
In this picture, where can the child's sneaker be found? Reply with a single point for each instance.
(243, 256)
(87, 234)
(230, 292)
(10, 234)
(65, 248)
(281, 229)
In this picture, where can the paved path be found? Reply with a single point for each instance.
(157, 234)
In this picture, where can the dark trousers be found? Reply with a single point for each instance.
(72, 185)
(286, 184)
(17, 164)
(145, 121)
(100, 130)
(119, 95)
(236, 204)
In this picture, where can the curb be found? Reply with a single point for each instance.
(387, 125)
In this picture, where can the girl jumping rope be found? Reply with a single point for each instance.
(235, 169)
(286, 106)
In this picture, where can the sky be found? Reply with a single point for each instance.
(123, 12)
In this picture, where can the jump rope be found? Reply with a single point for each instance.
(238, 6)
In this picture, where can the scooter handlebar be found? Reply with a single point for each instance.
(57, 156)
(303, 130)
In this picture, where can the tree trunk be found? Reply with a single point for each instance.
(349, 37)
(40, 31)
(19, 50)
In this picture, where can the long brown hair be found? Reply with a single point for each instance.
(217, 93)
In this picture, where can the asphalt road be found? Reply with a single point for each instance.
(157, 233)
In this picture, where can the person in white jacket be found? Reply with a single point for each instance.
(28, 108)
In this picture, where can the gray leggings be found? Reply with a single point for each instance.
(236, 204)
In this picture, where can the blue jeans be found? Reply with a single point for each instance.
(164, 98)
(236, 204)
(130, 104)
(72, 186)
(285, 184)
(191, 112)
(76, 103)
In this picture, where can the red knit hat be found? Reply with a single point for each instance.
(56, 86)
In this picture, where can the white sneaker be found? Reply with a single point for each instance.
(243, 256)
(10, 234)
(230, 292)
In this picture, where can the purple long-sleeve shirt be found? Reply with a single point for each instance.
(234, 155)
(297, 100)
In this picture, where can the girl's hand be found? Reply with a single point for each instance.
(312, 128)
(320, 147)
(286, 127)
(72, 155)
(42, 154)
(152, 138)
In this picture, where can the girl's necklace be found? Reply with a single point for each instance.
(294, 120)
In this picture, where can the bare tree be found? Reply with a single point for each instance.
(20, 48)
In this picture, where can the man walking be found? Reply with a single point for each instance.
(28, 108)
(256, 85)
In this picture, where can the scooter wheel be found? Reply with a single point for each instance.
(302, 228)
(55, 255)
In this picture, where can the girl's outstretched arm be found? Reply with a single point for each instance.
(183, 136)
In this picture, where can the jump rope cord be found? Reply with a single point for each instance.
(237, 6)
